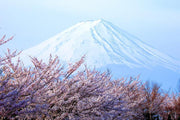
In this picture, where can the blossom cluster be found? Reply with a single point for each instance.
(50, 91)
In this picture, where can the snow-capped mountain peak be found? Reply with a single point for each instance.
(103, 43)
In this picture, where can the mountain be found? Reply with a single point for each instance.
(105, 46)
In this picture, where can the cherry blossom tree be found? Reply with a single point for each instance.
(52, 91)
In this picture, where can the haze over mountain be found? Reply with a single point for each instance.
(107, 46)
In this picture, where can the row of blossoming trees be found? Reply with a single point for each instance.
(49, 91)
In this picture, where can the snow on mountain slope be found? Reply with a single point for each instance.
(103, 43)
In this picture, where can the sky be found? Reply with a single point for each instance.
(156, 22)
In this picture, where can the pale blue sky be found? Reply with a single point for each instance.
(156, 22)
